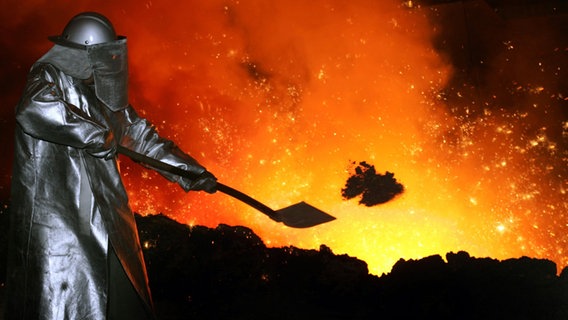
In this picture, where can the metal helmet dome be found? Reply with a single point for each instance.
(85, 29)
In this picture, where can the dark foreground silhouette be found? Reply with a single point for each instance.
(228, 273)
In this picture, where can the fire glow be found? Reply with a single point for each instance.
(278, 99)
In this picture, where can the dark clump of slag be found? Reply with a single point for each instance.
(373, 188)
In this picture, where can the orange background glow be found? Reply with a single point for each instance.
(279, 98)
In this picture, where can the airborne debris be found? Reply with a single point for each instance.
(374, 188)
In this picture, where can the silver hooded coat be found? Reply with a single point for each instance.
(68, 200)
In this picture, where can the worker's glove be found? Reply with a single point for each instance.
(106, 150)
(206, 181)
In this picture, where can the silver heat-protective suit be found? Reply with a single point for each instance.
(69, 206)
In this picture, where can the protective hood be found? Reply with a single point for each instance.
(71, 61)
(106, 62)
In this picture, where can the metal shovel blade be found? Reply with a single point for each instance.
(301, 215)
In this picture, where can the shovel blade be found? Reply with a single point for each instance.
(302, 215)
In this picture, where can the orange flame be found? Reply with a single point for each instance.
(279, 98)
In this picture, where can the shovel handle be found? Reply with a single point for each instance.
(138, 157)
(248, 200)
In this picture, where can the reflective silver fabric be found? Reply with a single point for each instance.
(68, 201)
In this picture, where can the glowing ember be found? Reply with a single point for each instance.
(279, 98)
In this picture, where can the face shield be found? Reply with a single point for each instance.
(109, 64)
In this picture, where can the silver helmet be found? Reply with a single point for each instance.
(85, 29)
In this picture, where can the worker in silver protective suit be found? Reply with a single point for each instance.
(74, 251)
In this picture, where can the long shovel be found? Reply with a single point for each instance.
(299, 215)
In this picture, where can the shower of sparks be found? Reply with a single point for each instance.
(279, 98)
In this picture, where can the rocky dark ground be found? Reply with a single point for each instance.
(228, 273)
